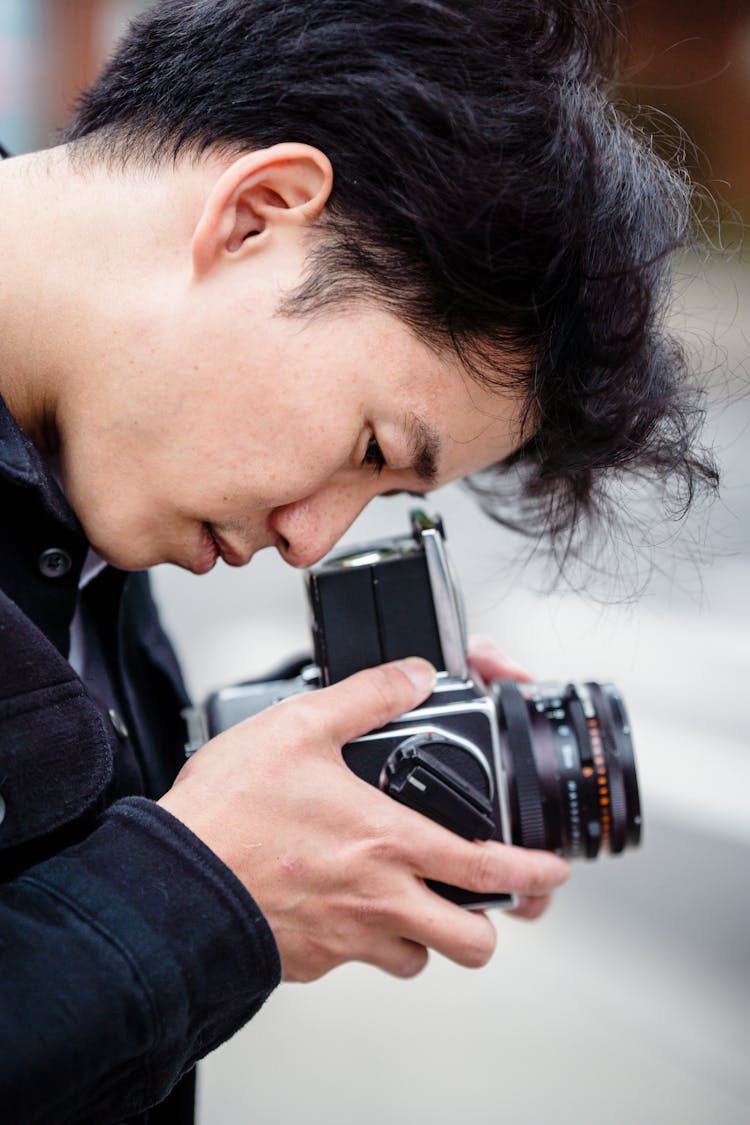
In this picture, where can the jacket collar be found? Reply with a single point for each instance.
(21, 464)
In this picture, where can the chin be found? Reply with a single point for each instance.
(124, 553)
(128, 560)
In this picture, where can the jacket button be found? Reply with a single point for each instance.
(118, 724)
(2, 808)
(54, 562)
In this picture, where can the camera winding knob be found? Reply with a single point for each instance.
(445, 777)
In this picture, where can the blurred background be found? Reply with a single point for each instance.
(630, 1000)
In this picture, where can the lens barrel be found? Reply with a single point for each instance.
(568, 756)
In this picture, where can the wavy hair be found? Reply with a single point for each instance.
(488, 191)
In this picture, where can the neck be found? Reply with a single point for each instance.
(27, 281)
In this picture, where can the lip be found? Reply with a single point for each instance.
(229, 554)
(208, 553)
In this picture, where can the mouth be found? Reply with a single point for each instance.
(208, 553)
(225, 551)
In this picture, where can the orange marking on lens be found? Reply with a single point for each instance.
(597, 753)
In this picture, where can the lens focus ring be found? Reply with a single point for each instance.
(528, 793)
(571, 772)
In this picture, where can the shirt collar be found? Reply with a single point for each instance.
(19, 460)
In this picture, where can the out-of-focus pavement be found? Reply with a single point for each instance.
(630, 1001)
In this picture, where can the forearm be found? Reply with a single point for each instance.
(125, 959)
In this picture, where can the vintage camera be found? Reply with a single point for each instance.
(548, 765)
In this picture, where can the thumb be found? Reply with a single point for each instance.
(371, 698)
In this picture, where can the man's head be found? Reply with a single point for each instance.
(491, 221)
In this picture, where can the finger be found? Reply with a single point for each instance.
(484, 867)
(491, 663)
(399, 957)
(371, 698)
(464, 936)
(530, 907)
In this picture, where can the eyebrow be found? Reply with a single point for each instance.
(425, 448)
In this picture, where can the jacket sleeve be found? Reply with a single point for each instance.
(125, 959)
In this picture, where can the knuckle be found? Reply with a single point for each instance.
(382, 851)
(540, 882)
(534, 873)
(384, 687)
(305, 723)
(375, 913)
(478, 950)
(483, 872)
(385, 845)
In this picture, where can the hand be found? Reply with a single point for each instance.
(337, 867)
(491, 663)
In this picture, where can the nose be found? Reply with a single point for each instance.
(307, 529)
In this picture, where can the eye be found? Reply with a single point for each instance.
(374, 456)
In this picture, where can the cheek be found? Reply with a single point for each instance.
(289, 461)
(260, 471)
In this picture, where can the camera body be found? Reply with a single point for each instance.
(541, 765)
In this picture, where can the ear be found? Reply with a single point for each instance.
(258, 194)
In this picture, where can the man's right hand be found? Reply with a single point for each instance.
(338, 868)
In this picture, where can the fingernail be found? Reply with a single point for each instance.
(420, 672)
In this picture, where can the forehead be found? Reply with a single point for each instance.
(389, 346)
(465, 416)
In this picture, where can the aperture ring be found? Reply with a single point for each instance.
(616, 780)
(589, 789)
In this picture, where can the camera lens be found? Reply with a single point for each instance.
(568, 755)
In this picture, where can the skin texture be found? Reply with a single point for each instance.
(140, 342)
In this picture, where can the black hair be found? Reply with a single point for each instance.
(487, 190)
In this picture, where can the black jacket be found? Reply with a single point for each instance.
(128, 949)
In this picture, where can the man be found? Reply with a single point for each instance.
(289, 258)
